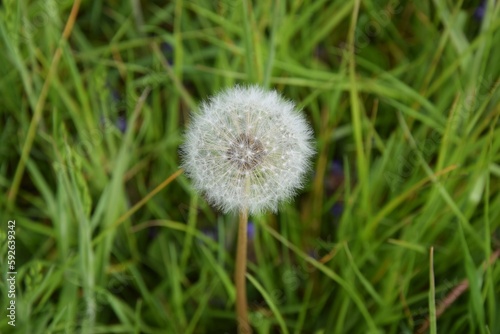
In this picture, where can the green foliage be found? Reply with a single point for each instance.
(404, 95)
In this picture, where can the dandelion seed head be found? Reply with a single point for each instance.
(247, 148)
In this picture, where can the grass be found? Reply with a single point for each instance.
(110, 237)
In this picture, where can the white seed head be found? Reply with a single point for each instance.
(247, 148)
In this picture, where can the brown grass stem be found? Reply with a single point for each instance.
(239, 275)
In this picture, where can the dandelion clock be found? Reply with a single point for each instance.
(247, 150)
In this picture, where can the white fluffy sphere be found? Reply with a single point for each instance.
(247, 148)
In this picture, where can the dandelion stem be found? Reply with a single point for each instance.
(239, 275)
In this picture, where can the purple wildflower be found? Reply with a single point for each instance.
(168, 51)
(480, 11)
(121, 124)
(251, 230)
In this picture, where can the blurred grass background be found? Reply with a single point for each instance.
(403, 97)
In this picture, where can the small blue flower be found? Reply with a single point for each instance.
(335, 176)
(251, 230)
(336, 167)
(121, 124)
(118, 108)
(168, 51)
(480, 11)
(337, 209)
(334, 181)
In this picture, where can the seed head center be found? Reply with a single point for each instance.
(246, 152)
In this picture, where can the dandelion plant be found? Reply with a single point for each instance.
(247, 150)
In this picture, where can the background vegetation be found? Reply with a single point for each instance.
(397, 230)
